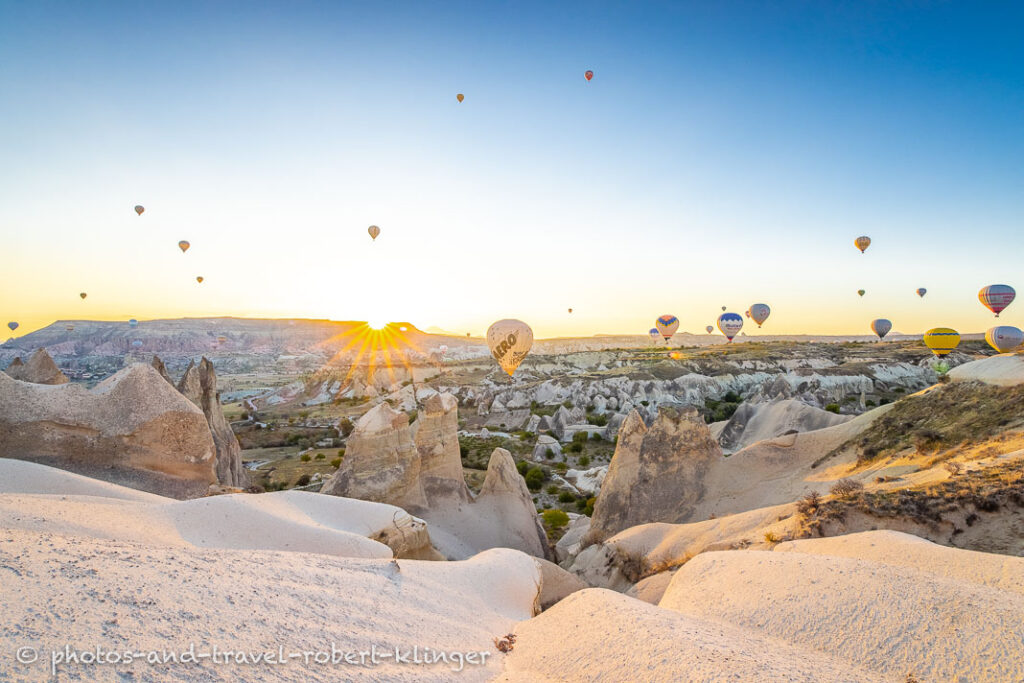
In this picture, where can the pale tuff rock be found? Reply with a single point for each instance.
(40, 369)
(381, 462)
(656, 474)
(159, 366)
(571, 542)
(544, 444)
(754, 422)
(504, 491)
(588, 481)
(131, 429)
(435, 433)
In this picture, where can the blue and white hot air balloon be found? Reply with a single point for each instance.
(730, 324)
(667, 326)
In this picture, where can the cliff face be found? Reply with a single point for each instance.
(435, 434)
(132, 429)
(657, 473)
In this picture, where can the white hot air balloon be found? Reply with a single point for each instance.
(730, 324)
(759, 313)
(1004, 338)
(509, 341)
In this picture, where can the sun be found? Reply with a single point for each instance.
(377, 324)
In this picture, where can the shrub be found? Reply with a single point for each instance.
(597, 420)
(463, 450)
(808, 505)
(346, 426)
(769, 537)
(341, 452)
(522, 466)
(832, 408)
(579, 437)
(548, 453)
(553, 489)
(953, 468)
(589, 510)
(566, 497)
(555, 519)
(320, 456)
(303, 480)
(567, 404)
(305, 457)
(584, 461)
(574, 448)
(561, 467)
(336, 463)
(534, 478)
(927, 440)
(846, 487)
(596, 437)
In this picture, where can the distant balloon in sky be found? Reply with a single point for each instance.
(941, 340)
(1004, 338)
(710, 329)
(997, 297)
(183, 245)
(133, 323)
(667, 325)
(588, 74)
(655, 335)
(724, 308)
(570, 310)
(863, 242)
(69, 328)
(221, 339)
(730, 324)
(881, 327)
(747, 313)
(374, 231)
(759, 313)
(12, 325)
(860, 292)
(139, 209)
(83, 295)
(137, 343)
(199, 279)
(921, 291)
(509, 341)
(460, 97)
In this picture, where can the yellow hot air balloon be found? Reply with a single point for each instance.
(199, 279)
(509, 341)
(863, 242)
(139, 209)
(83, 295)
(941, 340)
(183, 245)
(460, 97)
(374, 231)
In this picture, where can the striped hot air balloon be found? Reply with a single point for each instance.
(759, 313)
(1004, 338)
(881, 327)
(941, 340)
(730, 324)
(667, 326)
(997, 297)
(863, 242)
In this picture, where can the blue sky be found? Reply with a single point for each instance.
(724, 154)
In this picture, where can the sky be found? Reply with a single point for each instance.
(725, 153)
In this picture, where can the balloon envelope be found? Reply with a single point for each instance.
(83, 294)
(667, 325)
(70, 328)
(997, 297)
(759, 313)
(588, 74)
(881, 327)
(139, 209)
(374, 231)
(1004, 338)
(863, 242)
(570, 310)
(133, 323)
(860, 292)
(137, 343)
(710, 329)
(509, 341)
(655, 335)
(460, 97)
(941, 340)
(730, 324)
(921, 291)
(184, 245)
(12, 325)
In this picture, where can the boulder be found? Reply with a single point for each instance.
(544, 444)
(132, 429)
(656, 474)
(40, 369)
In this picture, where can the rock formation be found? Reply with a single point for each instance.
(199, 385)
(435, 434)
(40, 369)
(656, 474)
(159, 366)
(754, 422)
(131, 429)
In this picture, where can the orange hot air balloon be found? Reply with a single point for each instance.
(374, 231)
(588, 74)
(139, 209)
(199, 279)
(460, 97)
(184, 245)
(83, 295)
(862, 242)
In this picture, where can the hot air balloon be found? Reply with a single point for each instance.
(83, 294)
(921, 291)
(747, 313)
(221, 340)
(570, 310)
(941, 340)
(881, 327)
(730, 324)
(710, 329)
(1004, 338)
(374, 231)
(860, 292)
(655, 335)
(199, 279)
(723, 308)
(12, 326)
(183, 245)
(588, 74)
(69, 328)
(133, 323)
(460, 97)
(137, 343)
(863, 242)
(759, 313)
(667, 326)
(509, 341)
(997, 297)
(139, 209)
